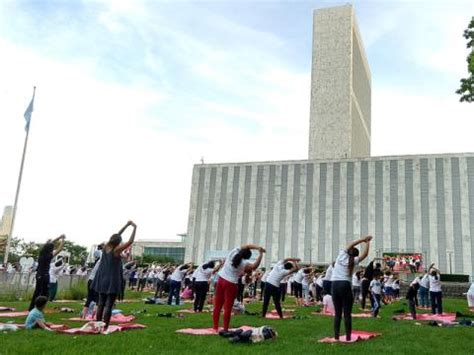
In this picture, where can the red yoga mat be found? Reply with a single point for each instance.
(357, 335)
(111, 329)
(191, 311)
(207, 331)
(7, 309)
(274, 315)
(116, 318)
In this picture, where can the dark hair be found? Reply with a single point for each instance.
(243, 253)
(114, 240)
(288, 266)
(434, 274)
(47, 249)
(378, 266)
(40, 301)
(100, 246)
(58, 263)
(307, 270)
(184, 267)
(353, 252)
(211, 264)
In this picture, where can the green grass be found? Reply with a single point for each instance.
(295, 336)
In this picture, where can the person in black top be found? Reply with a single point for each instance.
(46, 255)
(366, 279)
(411, 297)
(108, 281)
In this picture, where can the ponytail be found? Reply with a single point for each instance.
(243, 253)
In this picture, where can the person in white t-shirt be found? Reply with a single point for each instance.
(327, 279)
(423, 291)
(341, 279)
(201, 277)
(470, 297)
(376, 292)
(436, 294)
(319, 287)
(161, 280)
(272, 286)
(263, 280)
(236, 264)
(328, 305)
(176, 281)
(356, 283)
(298, 282)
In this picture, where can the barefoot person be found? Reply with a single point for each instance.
(341, 284)
(272, 286)
(46, 255)
(108, 280)
(235, 265)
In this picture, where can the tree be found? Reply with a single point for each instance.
(159, 259)
(78, 252)
(467, 85)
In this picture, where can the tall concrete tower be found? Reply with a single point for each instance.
(340, 87)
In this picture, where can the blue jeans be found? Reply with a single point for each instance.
(175, 288)
(423, 296)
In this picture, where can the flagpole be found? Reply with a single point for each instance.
(20, 176)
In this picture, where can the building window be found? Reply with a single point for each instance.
(173, 252)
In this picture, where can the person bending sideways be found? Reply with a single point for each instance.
(341, 278)
(108, 281)
(272, 287)
(35, 317)
(236, 264)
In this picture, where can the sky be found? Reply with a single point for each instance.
(131, 94)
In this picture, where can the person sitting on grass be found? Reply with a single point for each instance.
(35, 317)
(328, 305)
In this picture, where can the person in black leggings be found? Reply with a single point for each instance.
(367, 277)
(202, 275)
(108, 281)
(341, 284)
(272, 286)
(46, 255)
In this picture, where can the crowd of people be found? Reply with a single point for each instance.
(404, 262)
(227, 283)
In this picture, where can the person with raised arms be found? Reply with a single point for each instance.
(341, 279)
(108, 281)
(202, 275)
(46, 255)
(236, 264)
(272, 286)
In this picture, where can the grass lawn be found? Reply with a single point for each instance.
(295, 336)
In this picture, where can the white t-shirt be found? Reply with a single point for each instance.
(203, 275)
(161, 276)
(396, 285)
(328, 305)
(230, 273)
(355, 281)
(328, 274)
(178, 274)
(341, 268)
(471, 289)
(265, 275)
(306, 280)
(376, 287)
(425, 281)
(435, 284)
(319, 281)
(299, 276)
(277, 274)
(54, 272)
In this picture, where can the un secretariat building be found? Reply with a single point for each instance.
(311, 208)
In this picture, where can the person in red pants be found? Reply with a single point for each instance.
(236, 264)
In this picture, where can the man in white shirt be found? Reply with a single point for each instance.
(272, 285)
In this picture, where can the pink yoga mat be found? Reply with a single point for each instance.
(111, 329)
(274, 315)
(207, 331)
(191, 311)
(116, 318)
(357, 335)
(13, 314)
(354, 315)
(445, 317)
(7, 309)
